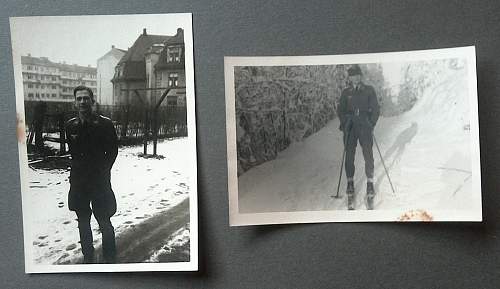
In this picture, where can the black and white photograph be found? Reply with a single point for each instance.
(107, 142)
(353, 138)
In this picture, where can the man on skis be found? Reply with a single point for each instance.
(358, 111)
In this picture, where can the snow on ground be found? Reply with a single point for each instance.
(177, 243)
(427, 152)
(143, 187)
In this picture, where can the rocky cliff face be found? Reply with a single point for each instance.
(276, 106)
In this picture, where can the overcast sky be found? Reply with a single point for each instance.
(83, 39)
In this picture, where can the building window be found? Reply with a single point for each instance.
(54, 87)
(30, 68)
(158, 80)
(43, 86)
(30, 85)
(30, 95)
(37, 86)
(171, 100)
(30, 76)
(173, 54)
(173, 79)
(64, 81)
(54, 78)
(53, 95)
(37, 95)
(65, 89)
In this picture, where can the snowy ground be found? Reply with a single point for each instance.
(427, 152)
(145, 189)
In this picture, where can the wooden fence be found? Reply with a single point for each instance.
(130, 122)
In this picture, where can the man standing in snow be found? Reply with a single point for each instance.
(93, 146)
(358, 111)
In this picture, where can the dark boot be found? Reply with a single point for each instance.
(370, 195)
(350, 195)
(88, 258)
(108, 239)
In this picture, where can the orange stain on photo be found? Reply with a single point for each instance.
(416, 215)
(21, 129)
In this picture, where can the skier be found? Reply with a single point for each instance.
(93, 146)
(358, 111)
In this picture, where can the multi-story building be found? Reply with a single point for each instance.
(130, 72)
(169, 70)
(105, 71)
(44, 80)
(154, 62)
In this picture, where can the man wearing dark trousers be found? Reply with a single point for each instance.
(358, 112)
(93, 146)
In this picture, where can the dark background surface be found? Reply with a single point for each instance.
(387, 255)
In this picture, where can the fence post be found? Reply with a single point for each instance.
(155, 130)
(125, 117)
(40, 110)
(62, 134)
(145, 131)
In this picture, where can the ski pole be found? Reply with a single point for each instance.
(383, 163)
(342, 163)
(340, 176)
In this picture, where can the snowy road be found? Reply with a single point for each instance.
(148, 191)
(426, 150)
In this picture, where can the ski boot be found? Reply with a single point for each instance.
(350, 195)
(370, 195)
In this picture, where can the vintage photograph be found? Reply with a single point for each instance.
(353, 138)
(107, 142)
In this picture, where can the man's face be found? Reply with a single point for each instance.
(355, 79)
(83, 101)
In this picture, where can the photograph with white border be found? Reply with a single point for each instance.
(353, 138)
(107, 142)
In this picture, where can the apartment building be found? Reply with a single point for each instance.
(45, 80)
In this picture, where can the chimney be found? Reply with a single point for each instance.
(112, 46)
(144, 31)
(29, 54)
(180, 31)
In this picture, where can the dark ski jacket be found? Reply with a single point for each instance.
(358, 106)
(93, 147)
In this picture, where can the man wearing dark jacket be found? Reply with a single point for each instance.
(358, 112)
(93, 146)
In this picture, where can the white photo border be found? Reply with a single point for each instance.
(242, 219)
(183, 20)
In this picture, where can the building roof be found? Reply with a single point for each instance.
(178, 39)
(116, 52)
(133, 60)
(141, 45)
(44, 61)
